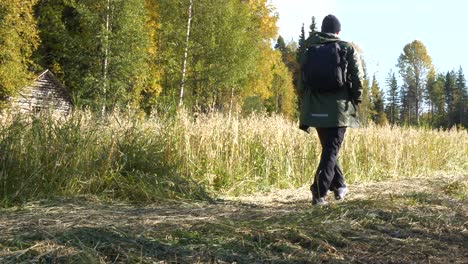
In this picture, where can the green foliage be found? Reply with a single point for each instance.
(392, 108)
(436, 98)
(377, 104)
(114, 54)
(460, 115)
(228, 46)
(365, 107)
(252, 105)
(302, 45)
(116, 157)
(414, 65)
(18, 40)
(272, 78)
(450, 89)
(99, 48)
(284, 98)
(312, 30)
(222, 54)
(280, 45)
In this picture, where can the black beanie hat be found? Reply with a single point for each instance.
(331, 24)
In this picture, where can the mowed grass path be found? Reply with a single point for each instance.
(417, 220)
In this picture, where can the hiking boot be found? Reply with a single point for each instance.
(340, 193)
(319, 201)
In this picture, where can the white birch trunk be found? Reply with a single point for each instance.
(231, 102)
(184, 66)
(106, 57)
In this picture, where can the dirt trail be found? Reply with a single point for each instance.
(418, 220)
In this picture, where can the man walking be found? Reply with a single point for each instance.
(331, 90)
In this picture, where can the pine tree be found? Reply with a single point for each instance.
(431, 84)
(289, 59)
(302, 45)
(392, 98)
(280, 45)
(364, 109)
(441, 117)
(18, 40)
(451, 97)
(461, 99)
(312, 30)
(405, 107)
(377, 105)
(301, 49)
(312, 27)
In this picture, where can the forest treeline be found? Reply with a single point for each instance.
(205, 55)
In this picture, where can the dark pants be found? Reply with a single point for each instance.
(329, 175)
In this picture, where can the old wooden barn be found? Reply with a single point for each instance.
(46, 92)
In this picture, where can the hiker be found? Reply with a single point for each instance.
(331, 90)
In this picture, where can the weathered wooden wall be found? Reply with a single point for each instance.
(45, 93)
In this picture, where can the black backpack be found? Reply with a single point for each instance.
(325, 67)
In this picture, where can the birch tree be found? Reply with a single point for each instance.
(99, 48)
(184, 63)
(414, 64)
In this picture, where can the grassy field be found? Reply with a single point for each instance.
(419, 220)
(131, 158)
(213, 189)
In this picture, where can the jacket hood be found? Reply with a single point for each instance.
(321, 37)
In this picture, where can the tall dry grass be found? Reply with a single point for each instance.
(240, 155)
(127, 156)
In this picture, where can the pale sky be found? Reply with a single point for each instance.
(383, 27)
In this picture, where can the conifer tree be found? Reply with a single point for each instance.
(302, 45)
(431, 85)
(312, 30)
(405, 106)
(438, 101)
(287, 54)
(280, 44)
(365, 106)
(301, 49)
(289, 59)
(450, 89)
(377, 104)
(460, 115)
(312, 27)
(392, 98)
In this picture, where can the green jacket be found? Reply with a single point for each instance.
(338, 109)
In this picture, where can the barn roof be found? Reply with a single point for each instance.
(46, 91)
